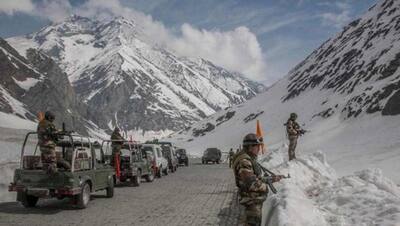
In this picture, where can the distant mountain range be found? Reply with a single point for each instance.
(117, 77)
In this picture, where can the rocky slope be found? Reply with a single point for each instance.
(33, 84)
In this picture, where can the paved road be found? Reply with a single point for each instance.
(195, 195)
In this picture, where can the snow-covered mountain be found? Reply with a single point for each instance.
(135, 84)
(347, 92)
(33, 84)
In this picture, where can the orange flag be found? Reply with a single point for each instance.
(260, 134)
(40, 116)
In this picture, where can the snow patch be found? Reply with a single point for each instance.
(27, 83)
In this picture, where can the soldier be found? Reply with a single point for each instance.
(231, 154)
(47, 136)
(252, 190)
(293, 131)
(116, 143)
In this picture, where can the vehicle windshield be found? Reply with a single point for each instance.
(147, 149)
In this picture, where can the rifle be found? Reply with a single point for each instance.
(303, 131)
(269, 178)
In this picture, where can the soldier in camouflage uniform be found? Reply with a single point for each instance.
(293, 131)
(47, 136)
(116, 144)
(252, 190)
(231, 154)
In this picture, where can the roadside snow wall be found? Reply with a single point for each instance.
(314, 196)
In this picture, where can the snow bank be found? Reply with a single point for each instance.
(15, 122)
(315, 196)
(6, 176)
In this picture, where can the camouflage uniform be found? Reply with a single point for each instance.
(116, 144)
(231, 154)
(252, 190)
(47, 135)
(293, 131)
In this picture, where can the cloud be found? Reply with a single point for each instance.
(340, 19)
(54, 10)
(236, 50)
(278, 24)
(10, 7)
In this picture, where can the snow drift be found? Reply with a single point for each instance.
(314, 196)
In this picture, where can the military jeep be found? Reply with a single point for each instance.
(182, 157)
(87, 174)
(134, 165)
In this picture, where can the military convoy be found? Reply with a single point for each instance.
(90, 169)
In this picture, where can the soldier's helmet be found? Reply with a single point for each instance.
(252, 139)
(49, 116)
(293, 115)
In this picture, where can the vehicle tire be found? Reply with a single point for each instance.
(217, 162)
(150, 177)
(110, 189)
(135, 180)
(29, 201)
(82, 199)
(165, 171)
(202, 161)
(187, 163)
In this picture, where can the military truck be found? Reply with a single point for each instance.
(143, 163)
(87, 174)
(182, 157)
(159, 163)
(211, 155)
(134, 165)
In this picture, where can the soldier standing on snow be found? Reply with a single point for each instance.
(252, 190)
(47, 136)
(293, 131)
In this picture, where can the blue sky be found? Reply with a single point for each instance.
(286, 30)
